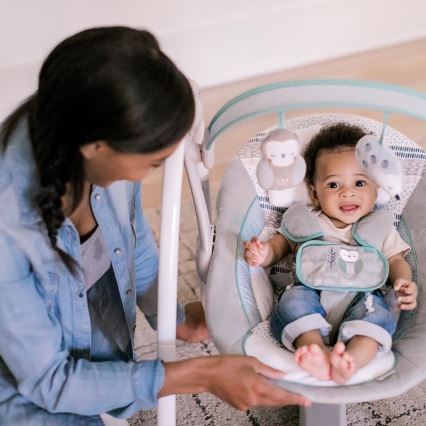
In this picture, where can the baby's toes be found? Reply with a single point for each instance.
(314, 349)
(347, 357)
(339, 348)
(300, 352)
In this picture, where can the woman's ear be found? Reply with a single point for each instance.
(91, 150)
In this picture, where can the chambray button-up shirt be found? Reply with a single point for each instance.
(45, 328)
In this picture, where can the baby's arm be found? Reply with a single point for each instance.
(266, 253)
(401, 279)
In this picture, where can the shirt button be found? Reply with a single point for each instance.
(81, 294)
(129, 291)
(117, 251)
(97, 197)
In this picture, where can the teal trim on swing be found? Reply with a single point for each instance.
(281, 119)
(308, 105)
(239, 264)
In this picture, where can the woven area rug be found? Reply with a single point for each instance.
(204, 409)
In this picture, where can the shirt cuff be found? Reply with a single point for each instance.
(148, 379)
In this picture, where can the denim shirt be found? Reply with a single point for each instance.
(45, 330)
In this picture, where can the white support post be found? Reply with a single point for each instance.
(168, 273)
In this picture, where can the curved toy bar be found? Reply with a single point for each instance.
(312, 94)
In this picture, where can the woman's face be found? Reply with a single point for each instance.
(103, 165)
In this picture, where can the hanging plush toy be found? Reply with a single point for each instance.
(382, 165)
(281, 168)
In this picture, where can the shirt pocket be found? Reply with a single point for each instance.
(49, 288)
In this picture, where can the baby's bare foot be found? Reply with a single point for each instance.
(314, 360)
(342, 364)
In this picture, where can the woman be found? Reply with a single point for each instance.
(76, 252)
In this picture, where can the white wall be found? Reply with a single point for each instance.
(213, 42)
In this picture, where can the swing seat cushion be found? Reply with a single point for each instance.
(239, 298)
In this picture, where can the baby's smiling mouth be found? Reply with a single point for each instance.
(349, 208)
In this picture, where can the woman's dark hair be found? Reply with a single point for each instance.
(335, 138)
(109, 84)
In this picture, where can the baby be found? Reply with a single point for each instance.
(341, 194)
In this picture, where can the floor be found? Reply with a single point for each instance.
(401, 64)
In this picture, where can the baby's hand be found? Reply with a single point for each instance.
(406, 293)
(255, 252)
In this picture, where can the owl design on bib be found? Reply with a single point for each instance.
(349, 262)
(281, 167)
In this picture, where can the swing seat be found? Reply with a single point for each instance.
(239, 298)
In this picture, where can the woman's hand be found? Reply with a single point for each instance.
(406, 294)
(238, 380)
(243, 383)
(194, 328)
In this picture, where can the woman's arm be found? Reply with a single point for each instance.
(44, 371)
(240, 381)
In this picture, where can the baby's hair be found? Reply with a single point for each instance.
(335, 138)
(109, 84)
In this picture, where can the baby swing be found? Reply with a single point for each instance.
(239, 299)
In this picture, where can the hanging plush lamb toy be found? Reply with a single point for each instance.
(382, 165)
(281, 168)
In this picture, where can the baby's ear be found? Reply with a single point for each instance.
(312, 194)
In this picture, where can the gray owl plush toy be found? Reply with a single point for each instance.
(382, 165)
(281, 168)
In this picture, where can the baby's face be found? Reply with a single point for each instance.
(344, 192)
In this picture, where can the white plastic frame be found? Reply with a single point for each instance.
(169, 248)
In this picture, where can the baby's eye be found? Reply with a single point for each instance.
(360, 183)
(332, 185)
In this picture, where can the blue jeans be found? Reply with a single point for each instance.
(300, 301)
